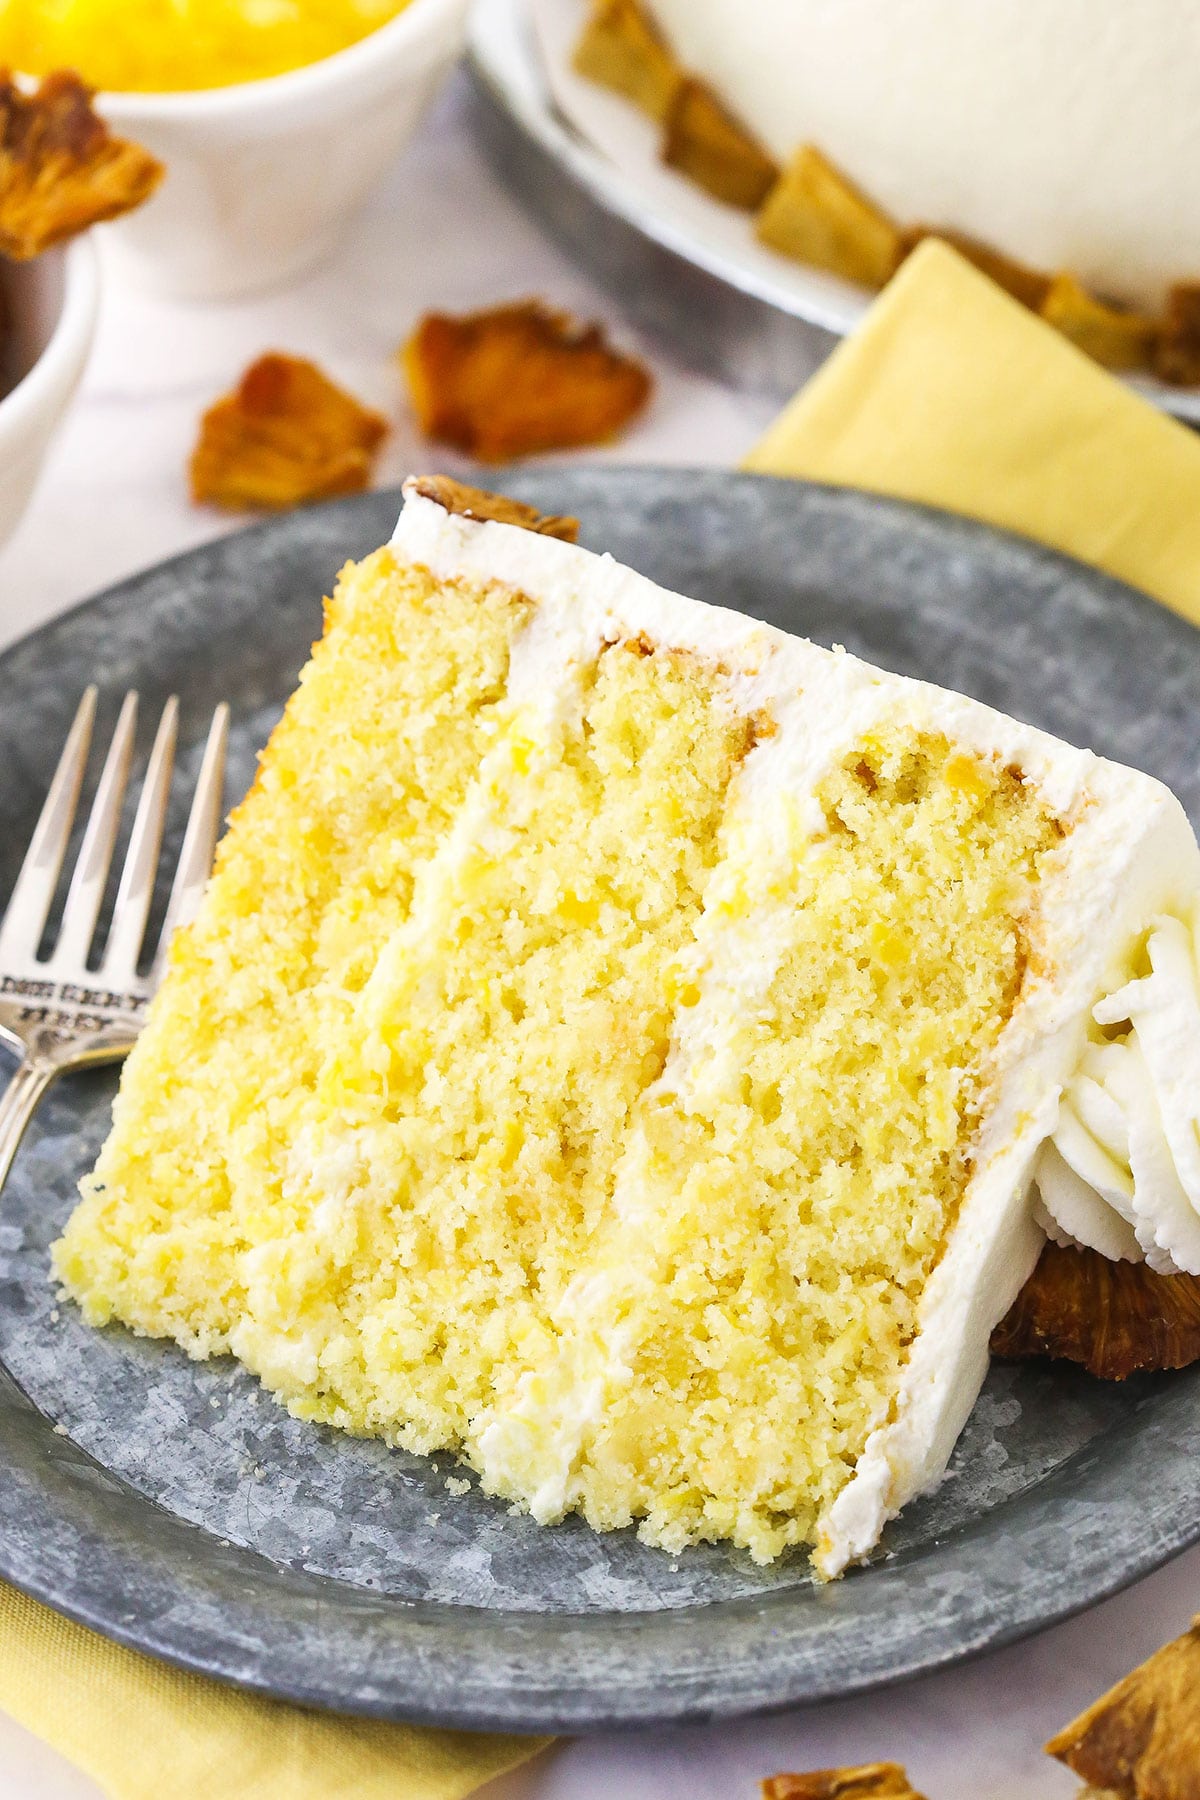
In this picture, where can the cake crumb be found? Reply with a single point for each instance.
(456, 1485)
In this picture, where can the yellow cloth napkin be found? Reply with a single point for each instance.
(145, 1731)
(953, 394)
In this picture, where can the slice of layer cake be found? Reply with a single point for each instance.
(617, 1043)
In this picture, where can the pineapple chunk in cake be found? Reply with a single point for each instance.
(617, 1044)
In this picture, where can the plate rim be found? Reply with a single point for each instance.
(25, 1559)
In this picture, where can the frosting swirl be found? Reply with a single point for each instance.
(1121, 1171)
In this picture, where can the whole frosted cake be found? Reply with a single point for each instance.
(1063, 133)
(619, 1039)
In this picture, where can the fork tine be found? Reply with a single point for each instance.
(200, 838)
(25, 917)
(131, 908)
(86, 892)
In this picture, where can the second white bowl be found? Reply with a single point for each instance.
(262, 176)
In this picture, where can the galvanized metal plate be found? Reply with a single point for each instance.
(177, 1507)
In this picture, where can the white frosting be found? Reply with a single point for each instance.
(1064, 132)
(1118, 1157)
(1122, 1172)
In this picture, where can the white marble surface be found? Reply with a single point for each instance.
(112, 499)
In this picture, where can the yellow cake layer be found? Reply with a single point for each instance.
(440, 1122)
(782, 1214)
(371, 759)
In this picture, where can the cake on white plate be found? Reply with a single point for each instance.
(1051, 140)
(619, 1042)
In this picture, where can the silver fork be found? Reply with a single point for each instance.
(56, 1014)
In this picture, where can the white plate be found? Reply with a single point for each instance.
(521, 50)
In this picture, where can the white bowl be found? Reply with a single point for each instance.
(262, 175)
(54, 302)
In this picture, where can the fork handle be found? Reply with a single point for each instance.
(17, 1104)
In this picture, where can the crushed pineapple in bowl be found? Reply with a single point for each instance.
(169, 46)
(274, 118)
